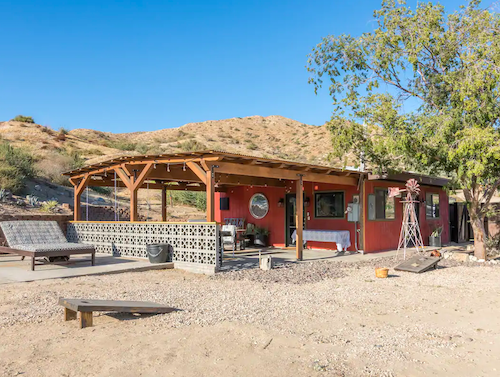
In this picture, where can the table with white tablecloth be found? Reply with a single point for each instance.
(341, 237)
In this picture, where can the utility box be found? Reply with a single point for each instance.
(353, 212)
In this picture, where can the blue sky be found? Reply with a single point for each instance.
(123, 66)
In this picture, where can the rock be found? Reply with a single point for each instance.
(472, 258)
(481, 260)
(461, 257)
(266, 263)
(38, 188)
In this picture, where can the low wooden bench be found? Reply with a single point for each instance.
(87, 307)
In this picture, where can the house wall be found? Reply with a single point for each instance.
(239, 198)
(379, 234)
(384, 234)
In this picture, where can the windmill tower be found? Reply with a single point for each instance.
(410, 230)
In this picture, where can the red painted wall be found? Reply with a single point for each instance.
(275, 219)
(379, 235)
(239, 199)
(384, 234)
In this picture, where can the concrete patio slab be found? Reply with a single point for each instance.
(249, 258)
(13, 270)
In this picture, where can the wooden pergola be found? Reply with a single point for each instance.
(208, 171)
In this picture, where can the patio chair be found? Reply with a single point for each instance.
(37, 239)
(228, 234)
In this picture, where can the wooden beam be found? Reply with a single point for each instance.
(210, 196)
(158, 161)
(299, 200)
(196, 169)
(78, 190)
(124, 177)
(134, 188)
(276, 173)
(143, 175)
(164, 203)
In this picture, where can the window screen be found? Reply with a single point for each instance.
(329, 204)
(384, 206)
(432, 206)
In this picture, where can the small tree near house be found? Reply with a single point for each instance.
(428, 84)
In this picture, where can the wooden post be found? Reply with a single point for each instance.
(299, 244)
(78, 191)
(85, 319)
(210, 196)
(164, 203)
(137, 182)
(69, 314)
(134, 214)
(362, 217)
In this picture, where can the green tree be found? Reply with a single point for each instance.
(448, 66)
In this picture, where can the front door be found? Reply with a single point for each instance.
(290, 217)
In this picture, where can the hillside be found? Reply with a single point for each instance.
(56, 151)
(273, 137)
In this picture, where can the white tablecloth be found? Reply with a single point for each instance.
(341, 237)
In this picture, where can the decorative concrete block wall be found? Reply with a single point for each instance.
(195, 245)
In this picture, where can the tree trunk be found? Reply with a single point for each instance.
(479, 238)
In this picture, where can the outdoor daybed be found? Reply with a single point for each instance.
(37, 239)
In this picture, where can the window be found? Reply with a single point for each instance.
(380, 206)
(432, 206)
(259, 206)
(329, 204)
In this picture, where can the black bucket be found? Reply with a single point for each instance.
(159, 253)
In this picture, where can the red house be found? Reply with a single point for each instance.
(325, 204)
(293, 201)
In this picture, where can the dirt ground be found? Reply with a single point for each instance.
(440, 323)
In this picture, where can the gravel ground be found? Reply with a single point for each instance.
(346, 321)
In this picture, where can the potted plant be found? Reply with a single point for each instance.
(435, 237)
(261, 236)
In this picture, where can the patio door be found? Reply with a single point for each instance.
(290, 218)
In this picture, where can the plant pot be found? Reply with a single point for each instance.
(435, 241)
(260, 240)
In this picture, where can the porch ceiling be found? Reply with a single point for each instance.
(229, 169)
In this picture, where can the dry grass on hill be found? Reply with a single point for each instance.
(272, 137)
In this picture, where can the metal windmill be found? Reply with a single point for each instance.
(410, 230)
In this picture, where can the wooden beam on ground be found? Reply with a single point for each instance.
(299, 200)
(276, 173)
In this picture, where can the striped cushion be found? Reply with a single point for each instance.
(32, 232)
(65, 246)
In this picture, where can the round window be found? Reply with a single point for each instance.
(259, 206)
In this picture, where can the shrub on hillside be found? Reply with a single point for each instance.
(125, 145)
(102, 190)
(49, 206)
(52, 167)
(196, 199)
(24, 119)
(191, 145)
(15, 166)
